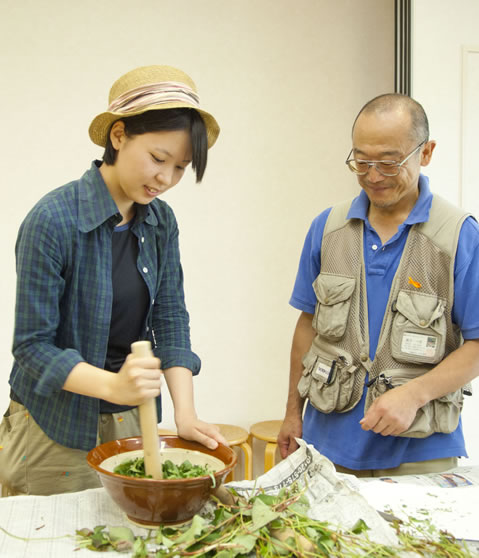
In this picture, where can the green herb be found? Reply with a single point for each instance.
(186, 470)
(132, 468)
(269, 526)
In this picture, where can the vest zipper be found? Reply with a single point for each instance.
(386, 380)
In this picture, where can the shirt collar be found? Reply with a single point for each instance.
(419, 213)
(95, 204)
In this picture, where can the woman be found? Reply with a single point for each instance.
(98, 268)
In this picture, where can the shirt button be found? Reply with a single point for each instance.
(374, 246)
(147, 328)
(363, 357)
(145, 270)
(153, 302)
(143, 239)
(422, 322)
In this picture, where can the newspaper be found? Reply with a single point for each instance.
(46, 525)
(450, 500)
(343, 499)
(330, 498)
(458, 477)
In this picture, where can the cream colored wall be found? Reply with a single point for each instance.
(284, 79)
(445, 80)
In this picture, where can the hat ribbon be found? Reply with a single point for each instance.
(154, 94)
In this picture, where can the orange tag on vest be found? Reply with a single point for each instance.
(414, 283)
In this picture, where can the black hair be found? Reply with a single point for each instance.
(391, 101)
(167, 119)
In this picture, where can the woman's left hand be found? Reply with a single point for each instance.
(189, 426)
(203, 432)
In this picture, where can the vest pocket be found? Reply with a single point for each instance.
(440, 415)
(328, 381)
(334, 301)
(418, 333)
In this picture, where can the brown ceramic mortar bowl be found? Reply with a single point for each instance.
(152, 502)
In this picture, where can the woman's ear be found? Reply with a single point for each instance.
(117, 134)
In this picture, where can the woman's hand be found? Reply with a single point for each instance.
(195, 429)
(189, 426)
(138, 380)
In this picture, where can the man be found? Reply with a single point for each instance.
(387, 340)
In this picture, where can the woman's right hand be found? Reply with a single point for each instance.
(138, 380)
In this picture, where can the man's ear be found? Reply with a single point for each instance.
(426, 153)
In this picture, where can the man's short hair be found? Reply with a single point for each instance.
(393, 101)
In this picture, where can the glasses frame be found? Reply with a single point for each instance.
(396, 166)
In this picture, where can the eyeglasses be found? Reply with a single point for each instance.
(386, 168)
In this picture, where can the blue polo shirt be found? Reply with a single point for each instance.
(339, 435)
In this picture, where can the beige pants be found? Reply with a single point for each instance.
(416, 468)
(32, 463)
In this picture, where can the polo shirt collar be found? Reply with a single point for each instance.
(419, 213)
(95, 204)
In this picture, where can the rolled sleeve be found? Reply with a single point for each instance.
(55, 374)
(176, 356)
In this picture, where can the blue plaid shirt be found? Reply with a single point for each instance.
(64, 300)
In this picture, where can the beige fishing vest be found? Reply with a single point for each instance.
(417, 331)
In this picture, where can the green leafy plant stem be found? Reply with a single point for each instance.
(32, 539)
(270, 526)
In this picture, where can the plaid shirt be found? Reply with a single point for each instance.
(64, 300)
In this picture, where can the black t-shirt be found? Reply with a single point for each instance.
(130, 304)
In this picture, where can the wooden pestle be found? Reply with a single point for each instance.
(149, 421)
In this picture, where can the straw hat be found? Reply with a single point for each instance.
(150, 88)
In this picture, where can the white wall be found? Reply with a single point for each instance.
(284, 79)
(445, 79)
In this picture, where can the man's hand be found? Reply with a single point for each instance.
(293, 423)
(391, 413)
(292, 428)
